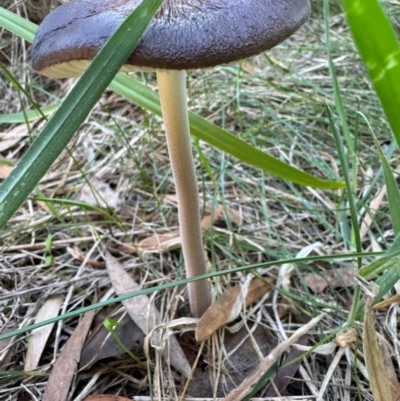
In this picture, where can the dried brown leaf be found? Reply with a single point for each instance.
(65, 366)
(377, 373)
(139, 309)
(207, 221)
(284, 376)
(172, 240)
(386, 302)
(248, 384)
(242, 350)
(217, 215)
(392, 375)
(342, 277)
(5, 171)
(39, 337)
(160, 242)
(228, 307)
(12, 137)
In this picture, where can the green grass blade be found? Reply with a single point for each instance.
(332, 71)
(387, 281)
(60, 129)
(177, 283)
(380, 50)
(353, 210)
(30, 115)
(392, 190)
(17, 25)
(204, 130)
(219, 138)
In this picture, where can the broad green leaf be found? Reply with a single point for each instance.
(73, 111)
(380, 50)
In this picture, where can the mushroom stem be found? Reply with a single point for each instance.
(173, 96)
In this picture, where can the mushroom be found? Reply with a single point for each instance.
(184, 35)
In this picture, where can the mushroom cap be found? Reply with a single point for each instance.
(184, 34)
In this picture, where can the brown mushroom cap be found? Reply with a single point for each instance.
(184, 34)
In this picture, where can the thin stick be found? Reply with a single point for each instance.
(172, 89)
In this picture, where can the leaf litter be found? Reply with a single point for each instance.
(102, 345)
(145, 315)
(228, 307)
(64, 368)
(38, 339)
(273, 221)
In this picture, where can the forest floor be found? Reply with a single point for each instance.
(112, 193)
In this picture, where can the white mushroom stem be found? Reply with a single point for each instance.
(173, 96)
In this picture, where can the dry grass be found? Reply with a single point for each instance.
(274, 102)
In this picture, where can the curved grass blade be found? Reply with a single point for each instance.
(220, 138)
(73, 111)
(30, 115)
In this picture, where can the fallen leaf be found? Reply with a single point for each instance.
(242, 351)
(12, 137)
(65, 366)
(160, 242)
(99, 193)
(228, 307)
(377, 374)
(392, 375)
(39, 337)
(341, 277)
(248, 384)
(207, 221)
(171, 240)
(105, 397)
(6, 346)
(5, 171)
(218, 215)
(284, 375)
(78, 255)
(102, 344)
(139, 309)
